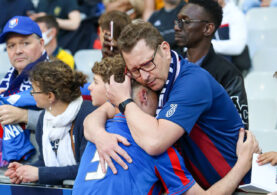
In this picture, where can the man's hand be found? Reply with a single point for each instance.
(107, 44)
(11, 172)
(268, 157)
(107, 147)
(27, 173)
(118, 92)
(246, 149)
(11, 115)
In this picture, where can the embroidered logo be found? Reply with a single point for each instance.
(13, 23)
(171, 111)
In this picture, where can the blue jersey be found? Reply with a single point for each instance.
(146, 174)
(204, 110)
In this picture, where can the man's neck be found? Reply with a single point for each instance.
(196, 53)
(50, 48)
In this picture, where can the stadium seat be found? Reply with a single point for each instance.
(85, 59)
(261, 18)
(265, 60)
(267, 139)
(261, 39)
(261, 85)
(262, 113)
(4, 64)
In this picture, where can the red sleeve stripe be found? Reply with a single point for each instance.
(223, 25)
(177, 166)
(210, 151)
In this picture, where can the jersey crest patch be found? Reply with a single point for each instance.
(171, 111)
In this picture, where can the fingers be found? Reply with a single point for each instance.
(125, 155)
(241, 135)
(122, 140)
(110, 163)
(103, 164)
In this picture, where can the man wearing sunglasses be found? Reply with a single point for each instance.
(194, 29)
(193, 110)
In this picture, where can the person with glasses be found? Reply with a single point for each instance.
(147, 174)
(193, 108)
(59, 133)
(195, 27)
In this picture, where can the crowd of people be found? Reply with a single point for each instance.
(168, 109)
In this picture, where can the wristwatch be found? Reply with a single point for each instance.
(123, 105)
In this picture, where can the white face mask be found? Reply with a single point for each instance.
(46, 38)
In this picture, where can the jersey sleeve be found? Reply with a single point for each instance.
(171, 171)
(190, 96)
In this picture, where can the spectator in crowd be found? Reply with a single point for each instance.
(67, 15)
(248, 4)
(120, 20)
(134, 8)
(13, 8)
(192, 107)
(59, 134)
(231, 36)
(50, 29)
(25, 49)
(194, 29)
(143, 175)
(163, 20)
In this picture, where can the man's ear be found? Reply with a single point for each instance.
(209, 29)
(54, 32)
(143, 96)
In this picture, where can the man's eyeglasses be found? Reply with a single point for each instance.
(147, 67)
(35, 92)
(180, 22)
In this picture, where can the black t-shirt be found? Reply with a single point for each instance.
(164, 21)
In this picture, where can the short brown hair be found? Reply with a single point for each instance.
(58, 78)
(120, 19)
(135, 32)
(49, 20)
(110, 66)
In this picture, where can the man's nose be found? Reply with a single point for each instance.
(144, 75)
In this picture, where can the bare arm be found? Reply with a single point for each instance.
(149, 8)
(229, 183)
(106, 143)
(11, 115)
(73, 21)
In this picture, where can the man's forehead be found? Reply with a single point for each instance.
(191, 10)
(11, 36)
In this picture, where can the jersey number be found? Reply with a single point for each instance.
(98, 174)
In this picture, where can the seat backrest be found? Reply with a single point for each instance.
(5, 64)
(261, 39)
(266, 138)
(261, 85)
(262, 18)
(85, 60)
(265, 60)
(262, 113)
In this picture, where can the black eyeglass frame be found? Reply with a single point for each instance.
(181, 21)
(136, 73)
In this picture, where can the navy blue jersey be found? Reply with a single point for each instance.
(204, 110)
(146, 174)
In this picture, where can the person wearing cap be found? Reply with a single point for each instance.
(25, 48)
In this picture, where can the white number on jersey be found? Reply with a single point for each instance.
(98, 174)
